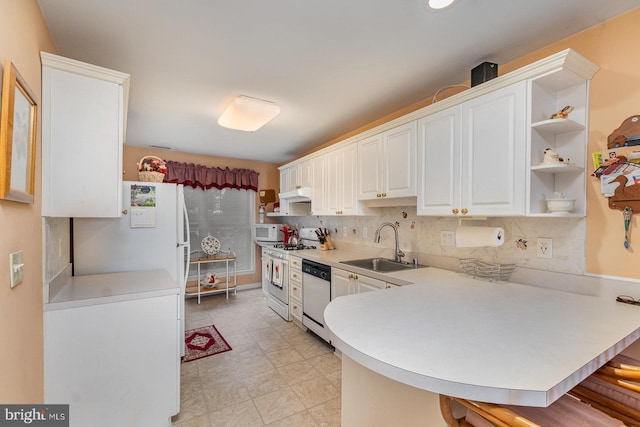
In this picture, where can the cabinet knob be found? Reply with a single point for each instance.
(350, 276)
(124, 212)
(384, 194)
(465, 211)
(295, 288)
(355, 277)
(378, 195)
(454, 211)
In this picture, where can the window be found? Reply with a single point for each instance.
(227, 215)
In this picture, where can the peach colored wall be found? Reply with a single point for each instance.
(269, 177)
(23, 34)
(615, 91)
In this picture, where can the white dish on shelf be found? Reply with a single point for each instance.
(561, 205)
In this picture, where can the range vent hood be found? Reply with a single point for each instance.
(302, 194)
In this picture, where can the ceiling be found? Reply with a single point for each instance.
(331, 66)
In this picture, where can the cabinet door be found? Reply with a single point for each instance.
(341, 283)
(493, 141)
(370, 157)
(399, 161)
(284, 187)
(82, 126)
(348, 184)
(367, 284)
(305, 171)
(294, 178)
(319, 186)
(439, 162)
(333, 193)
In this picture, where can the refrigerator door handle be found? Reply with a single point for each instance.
(186, 243)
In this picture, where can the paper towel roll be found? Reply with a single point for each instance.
(475, 237)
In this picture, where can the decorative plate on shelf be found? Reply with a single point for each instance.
(210, 245)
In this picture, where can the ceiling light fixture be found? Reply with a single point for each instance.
(248, 114)
(440, 4)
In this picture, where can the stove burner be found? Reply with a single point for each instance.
(288, 247)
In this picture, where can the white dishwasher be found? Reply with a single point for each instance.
(316, 294)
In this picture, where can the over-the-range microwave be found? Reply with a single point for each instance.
(267, 232)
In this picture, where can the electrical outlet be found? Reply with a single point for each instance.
(447, 238)
(365, 232)
(544, 248)
(344, 230)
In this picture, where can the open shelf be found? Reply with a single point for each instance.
(558, 168)
(557, 126)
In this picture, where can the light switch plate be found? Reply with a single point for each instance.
(15, 268)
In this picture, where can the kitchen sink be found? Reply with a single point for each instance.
(382, 265)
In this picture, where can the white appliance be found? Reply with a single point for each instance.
(275, 270)
(267, 232)
(143, 238)
(316, 282)
(276, 279)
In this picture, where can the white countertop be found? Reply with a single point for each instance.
(112, 287)
(496, 342)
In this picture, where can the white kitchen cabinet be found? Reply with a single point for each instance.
(319, 186)
(549, 94)
(367, 284)
(295, 289)
(115, 364)
(288, 182)
(347, 283)
(84, 110)
(471, 156)
(341, 283)
(341, 181)
(387, 166)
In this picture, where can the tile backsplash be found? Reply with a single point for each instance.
(421, 235)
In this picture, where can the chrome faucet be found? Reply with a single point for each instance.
(376, 239)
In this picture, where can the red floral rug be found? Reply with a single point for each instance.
(203, 342)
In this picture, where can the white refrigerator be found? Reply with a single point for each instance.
(152, 233)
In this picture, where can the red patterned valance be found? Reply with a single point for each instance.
(206, 177)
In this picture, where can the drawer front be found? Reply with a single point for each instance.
(296, 310)
(295, 264)
(296, 290)
(295, 276)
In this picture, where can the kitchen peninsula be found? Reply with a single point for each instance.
(497, 342)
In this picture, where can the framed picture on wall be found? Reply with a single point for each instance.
(17, 137)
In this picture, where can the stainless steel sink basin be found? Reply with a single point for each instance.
(382, 265)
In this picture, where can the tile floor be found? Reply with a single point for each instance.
(276, 374)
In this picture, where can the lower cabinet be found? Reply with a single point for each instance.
(115, 364)
(347, 283)
(295, 289)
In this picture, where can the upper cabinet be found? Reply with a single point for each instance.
(479, 152)
(387, 166)
(567, 136)
(472, 155)
(84, 110)
(341, 181)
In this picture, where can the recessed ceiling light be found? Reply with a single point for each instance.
(440, 4)
(248, 114)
